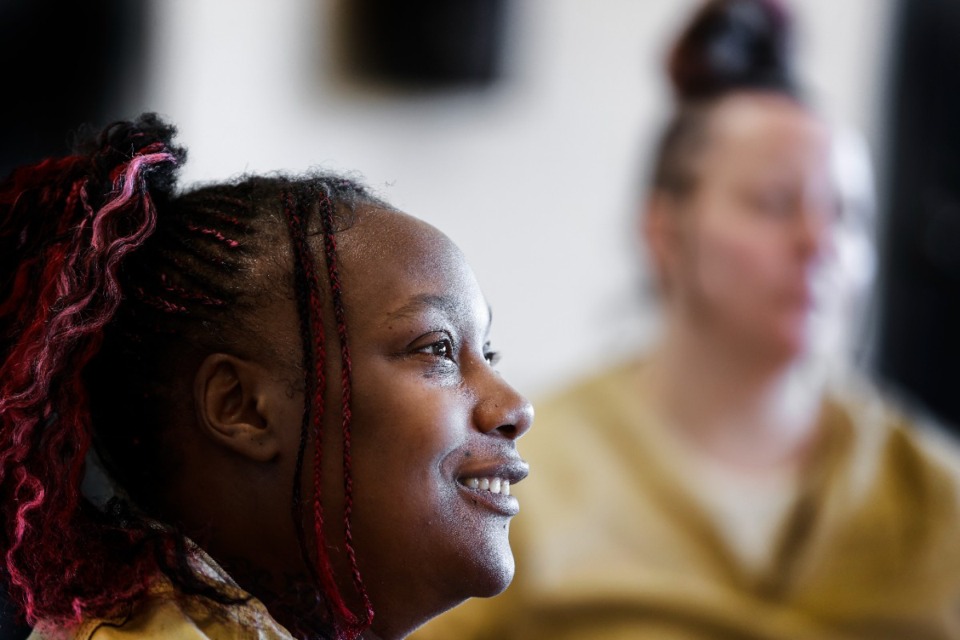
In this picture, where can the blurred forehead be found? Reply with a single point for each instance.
(766, 127)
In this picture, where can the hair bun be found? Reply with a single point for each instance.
(121, 142)
(733, 45)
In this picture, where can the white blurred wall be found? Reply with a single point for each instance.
(536, 178)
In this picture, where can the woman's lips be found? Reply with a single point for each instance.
(488, 484)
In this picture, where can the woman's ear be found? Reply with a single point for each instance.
(660, 231)
(238, 406)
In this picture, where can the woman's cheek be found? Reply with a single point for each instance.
(734, 264)
(422, 416)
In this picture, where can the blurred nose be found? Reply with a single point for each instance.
(501, 409)
(814, 232)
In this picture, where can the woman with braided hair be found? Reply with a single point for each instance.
(264, 408)
(726, 486)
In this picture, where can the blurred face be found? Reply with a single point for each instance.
(746, 247)
(434, 425)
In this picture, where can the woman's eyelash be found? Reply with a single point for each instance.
(440, 348)
(444, 349)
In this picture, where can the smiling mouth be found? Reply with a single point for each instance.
(493, 485)
(488, 485)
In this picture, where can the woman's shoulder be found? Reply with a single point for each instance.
(889, 426)
(156, 617)
(181, 618)
(166, 613)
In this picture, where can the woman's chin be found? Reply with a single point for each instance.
(492, 574)
(782, 346)
(497, 583)
(790, 339)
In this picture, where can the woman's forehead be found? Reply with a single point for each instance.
(754, 138)
(383, 240)
(768, 120)
(390, 257)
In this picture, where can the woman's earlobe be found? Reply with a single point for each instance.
(233, 406)
(660, 229)
(652, 225)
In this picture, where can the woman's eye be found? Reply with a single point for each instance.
(492, 357)
(774, 204)
(440, 349)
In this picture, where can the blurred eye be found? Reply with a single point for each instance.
(775, 204)
(769, 200)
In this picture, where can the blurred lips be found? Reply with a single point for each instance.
(801, 297)
(798, 292)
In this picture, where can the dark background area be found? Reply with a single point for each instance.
(65, 64)
(424, 44)
(918, 350)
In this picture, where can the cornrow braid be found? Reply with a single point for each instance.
(185, 289)
(310, 310)
(309, 303)
(346, 368)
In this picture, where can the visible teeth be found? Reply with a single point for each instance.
(493, 485)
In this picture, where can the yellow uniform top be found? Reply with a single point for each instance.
(167, 614)
(612, 542)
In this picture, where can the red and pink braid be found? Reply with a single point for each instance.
(309, 296)
(63, 243)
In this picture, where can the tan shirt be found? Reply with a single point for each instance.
(612, 542)
(166, 614)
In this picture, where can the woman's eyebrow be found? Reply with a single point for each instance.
(449, 306)
(417, 303)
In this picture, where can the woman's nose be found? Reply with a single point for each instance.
(501, 409)
(815, 225)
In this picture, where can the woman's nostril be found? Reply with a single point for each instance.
(509, 430)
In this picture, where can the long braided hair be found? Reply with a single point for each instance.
(109, 278)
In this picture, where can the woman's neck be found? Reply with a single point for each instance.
(744, 407)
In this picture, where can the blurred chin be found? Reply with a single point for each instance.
(787, 340)
(794, 346)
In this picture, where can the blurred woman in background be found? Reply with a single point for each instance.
(726, 484)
